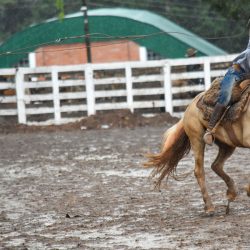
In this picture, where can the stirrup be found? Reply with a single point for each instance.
(208, 138)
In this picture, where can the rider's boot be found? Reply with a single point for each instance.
(219, 110)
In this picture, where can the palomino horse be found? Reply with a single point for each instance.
(188, 134)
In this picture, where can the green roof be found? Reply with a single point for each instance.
(170, 40)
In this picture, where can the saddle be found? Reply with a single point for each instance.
(238, 102)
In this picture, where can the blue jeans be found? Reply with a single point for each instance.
(231, 77)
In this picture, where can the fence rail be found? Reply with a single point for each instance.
(60, 94)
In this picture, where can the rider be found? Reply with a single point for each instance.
(236, 73)
(191, 53)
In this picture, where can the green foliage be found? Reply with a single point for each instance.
(232, 9)
(236, 14)
(60, 7)
(18, 15)
(220, 22)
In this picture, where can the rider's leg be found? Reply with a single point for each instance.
(233, 75)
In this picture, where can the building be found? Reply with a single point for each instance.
(75, 53)
(116, 34)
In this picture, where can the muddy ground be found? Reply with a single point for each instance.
(85, 188)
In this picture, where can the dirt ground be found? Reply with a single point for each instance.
(83, 187)
(102, 120)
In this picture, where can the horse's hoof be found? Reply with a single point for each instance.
(231, 195)
(247, 188)
(209, 211)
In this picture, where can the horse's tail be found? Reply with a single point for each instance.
(175, 146)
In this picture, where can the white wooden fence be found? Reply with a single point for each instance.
(60, 94)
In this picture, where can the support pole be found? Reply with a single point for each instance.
(84, 10)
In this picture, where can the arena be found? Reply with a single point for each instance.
(83, 187)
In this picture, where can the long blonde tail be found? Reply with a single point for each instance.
(175, 146)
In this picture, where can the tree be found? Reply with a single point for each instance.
(237, 14)
(237, 10)
(12, 17)
(60, 7)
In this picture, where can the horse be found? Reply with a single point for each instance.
(187, 134)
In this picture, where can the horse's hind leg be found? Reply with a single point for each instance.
(224, 153)
(198, 149)
(195, 131)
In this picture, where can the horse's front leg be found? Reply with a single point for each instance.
(224, 153)
(198, 148)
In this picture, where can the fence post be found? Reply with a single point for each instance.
(168, 88)
(20, 94)
(129, 87)
(90, 89)
(56, 99)
(207, 74)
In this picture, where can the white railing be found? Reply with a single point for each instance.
(7, 100)
(60, 94)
